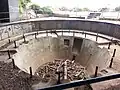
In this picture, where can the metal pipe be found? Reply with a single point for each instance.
(83, 82)
(97, 37)
(96, 71)
(9, 40)
(109, 45)
(58, 73)
(15, 44)
(114, 53)
(35, 35)
(111, 62)
(85, 34)
(8, 54)
(13, 63)
(30, 72)
(24, 38)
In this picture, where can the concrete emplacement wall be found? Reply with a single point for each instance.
(101, 27)
(46, 49)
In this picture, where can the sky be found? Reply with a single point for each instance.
(91, 4)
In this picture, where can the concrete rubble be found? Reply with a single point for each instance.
(74, 71)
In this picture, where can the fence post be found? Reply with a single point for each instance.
(111, 62)
(85, 35)
(35, 35)
(114, 53)
(109, 45)
(96, 71)
(9, 40)
(15, 44)
(24, 38)
(8, 54)
(97, 37)
(13, 62)
(30, 72)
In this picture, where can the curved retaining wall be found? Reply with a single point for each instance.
(109, 29)
(105, 28)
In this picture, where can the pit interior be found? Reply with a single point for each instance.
(71, 58)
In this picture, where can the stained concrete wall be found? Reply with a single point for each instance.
(105, 28)
(40, 51)
(43, 50)
(85, 25)
(91, 56)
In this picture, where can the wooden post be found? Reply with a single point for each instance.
(13, 62)
(24, 38)
(85, 35)
(73, 57)
(111, 62)
(8, 54)
(114, 53)
(97, 37)
(63, 71)
(96, 71)
(58, 73)
(109, 45)
(35, 35)
(30, 72)
(9, 40)
(15, 44)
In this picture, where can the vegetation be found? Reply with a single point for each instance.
(36, 8)
(86, 9)
(63, 9)
(105, 9)
(23, 4)
(117, 8)
(40, 10)
(75, 9)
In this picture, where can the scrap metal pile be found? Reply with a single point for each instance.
(67, 70)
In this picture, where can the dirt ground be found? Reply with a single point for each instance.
(14, 79)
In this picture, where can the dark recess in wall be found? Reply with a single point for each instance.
(77, 45)
(4, 11)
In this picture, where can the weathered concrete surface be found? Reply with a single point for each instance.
(40, 51)
(102, 27)
(91, 56)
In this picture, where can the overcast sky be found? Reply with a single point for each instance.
(92, 4)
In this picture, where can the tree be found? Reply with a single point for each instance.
(36, 8)
(63, 9)
(105, 9)
(86, 9)
(23, 4)
(76, 9)
(47, 10)
(117, 8)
